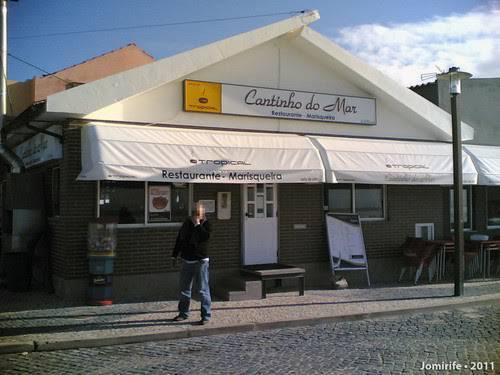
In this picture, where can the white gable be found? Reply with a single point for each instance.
(285, 55)
(275, 64)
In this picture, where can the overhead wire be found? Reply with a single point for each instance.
(38, 68)
(133, 28)
(146, 26)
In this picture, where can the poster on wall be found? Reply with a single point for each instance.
(223, 205)
(159, 203)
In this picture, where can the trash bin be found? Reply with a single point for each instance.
(101, 254)
(100, 291)
(101, 265)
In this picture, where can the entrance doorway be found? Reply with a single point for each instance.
(260, 224)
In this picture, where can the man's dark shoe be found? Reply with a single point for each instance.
(204, 322)
(180, 318)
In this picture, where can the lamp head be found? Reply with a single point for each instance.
(454, 76)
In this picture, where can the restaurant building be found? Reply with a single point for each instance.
(479, 109)
(270, 129)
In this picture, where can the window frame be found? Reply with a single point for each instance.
(145, 224)
(487, 207)
(353, 201)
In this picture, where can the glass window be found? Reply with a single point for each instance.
(167, 202)
(369, 201)
(467, 198)
(251, 210)
(269, 194)
(260, 205)
(123, 201)
(180, 202)
(340, 198)
(493, 193)
(365, 200)
(251, 194)
(269, 210)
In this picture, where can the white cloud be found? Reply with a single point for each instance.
(405, 51)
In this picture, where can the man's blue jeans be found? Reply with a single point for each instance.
(197, 272)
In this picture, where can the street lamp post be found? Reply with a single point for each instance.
(454, 76)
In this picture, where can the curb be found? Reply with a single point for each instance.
(17, 347)
(39, 346)
(372, 315)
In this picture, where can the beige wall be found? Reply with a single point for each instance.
(19, 96)
(23, 94)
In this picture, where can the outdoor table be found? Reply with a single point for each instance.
(444, 246)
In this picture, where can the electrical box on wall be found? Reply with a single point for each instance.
(223, 205)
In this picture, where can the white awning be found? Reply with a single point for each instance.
(391, 162)
(140, 153)
(487, 162)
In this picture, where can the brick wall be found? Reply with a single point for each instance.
(78, 208)
(405, 206)
(301, 204)
(225, 241)
(139, 250)
(144, 250)
(147, 250)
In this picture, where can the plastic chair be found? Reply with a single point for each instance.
(419, 254)
(472, 259)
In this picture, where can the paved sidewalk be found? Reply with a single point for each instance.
(55, 325)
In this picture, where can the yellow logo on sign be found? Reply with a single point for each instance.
(202, 96)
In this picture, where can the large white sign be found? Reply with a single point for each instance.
(297, 105)
(232, 99)
(345, 243)
(345, 240)
(40, 148)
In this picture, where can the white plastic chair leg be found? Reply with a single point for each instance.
(401, 274)
(432, 269)
(419, 272)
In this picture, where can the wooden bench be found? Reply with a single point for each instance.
(277, 272)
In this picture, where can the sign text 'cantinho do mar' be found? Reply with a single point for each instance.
(231, 99)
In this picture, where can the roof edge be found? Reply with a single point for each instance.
(373, 80)
(90, 97)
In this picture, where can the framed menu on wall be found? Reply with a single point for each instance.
(159, 207)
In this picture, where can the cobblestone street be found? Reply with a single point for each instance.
(390, 345)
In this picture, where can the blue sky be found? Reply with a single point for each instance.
(403, 38)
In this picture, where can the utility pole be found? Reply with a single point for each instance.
(454, 76)
(9, 157)
(3, 57)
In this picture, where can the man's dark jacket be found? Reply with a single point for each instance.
(191, 243)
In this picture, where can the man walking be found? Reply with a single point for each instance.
(191, 245)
